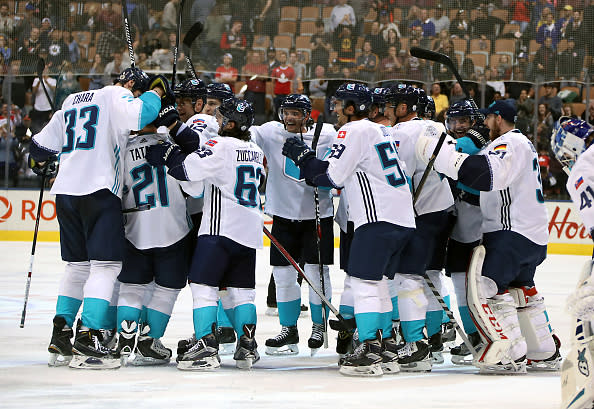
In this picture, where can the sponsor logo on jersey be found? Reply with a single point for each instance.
(500, 148)
(5, 209)
(211, 142)
(341, 134)
(579, 182)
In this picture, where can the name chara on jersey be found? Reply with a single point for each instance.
(83, 97)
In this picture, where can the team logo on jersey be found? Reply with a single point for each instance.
(578, 183)
(341, 134)
(500, 148)
(211, 142)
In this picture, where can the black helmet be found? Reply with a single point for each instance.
(140, 78)
(379, 97)
(357, 95)
(404, 94)
(461, 109)
(298, 102)
(191, 88)
(237, 110)
(219, 91)
(429, 107)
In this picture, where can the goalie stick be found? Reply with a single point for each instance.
(314, 145)
(444, 60)
(345, 324)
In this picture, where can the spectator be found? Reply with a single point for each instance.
(565, 17)
(344, 44)
(201, 10)
(441, 41)
(545, 61)
(485, 26)
(468, 71)
(548, 29)
(392, 40)
(425, 23)
(571, 62)
(552, 100)
(544, 123)
(96, 73)
(45, 32)
(234, 42)
(30, 21)
(57, 49)
(5, 50)
(441, 72)
(109, 17)
(414, 67)
(68, 85)
(28, 54)
(271, 61)
(73, 49)
(320, 47)
(504, 68)
(170, 15)
(7, 22)
(391, 66)
(255, 73)
(163, 57)
(441, 21)
(214, 28)
(90, 21)
(319, 85)
(414, 14)
(114, 68)
(520, 14)
(588, 114)
(386, 25)
(139, 19)
(459, 26)
(367, 63)
(42, 107)
(283, 76)
(525, 110)
(300, 71)
(575, 30)
(108, 43)
(376, 39)
(8, 146)
(226, 73)
(567, 110)
(342, 15)
(456, 93)
(270, 15)
(441, 100)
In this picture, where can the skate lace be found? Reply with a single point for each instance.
(98, 345)
(406, 350)
(317, 331)
(283, 334)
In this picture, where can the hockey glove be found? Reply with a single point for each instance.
(479, 134)
(166, 154)
(168, 115)
(161, 81)
(297, 150)
(47, 168)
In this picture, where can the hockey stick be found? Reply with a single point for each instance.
(450, 315)
(40, 69)
(314, 145)
(127, 33)
(287, 256)
(189, 38)
(176, 49)
(444, 60)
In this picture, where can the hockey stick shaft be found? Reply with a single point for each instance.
(450, 315)
(189, 38)
(176, 49)
(30, 273)
(40, 69)
(293, 263)
(314, 145)
(128, 34)
(429, 167)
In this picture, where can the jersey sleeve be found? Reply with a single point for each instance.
(194, 189)
(51, 137)
(580, 186)
(206, 162)
(344, 157)
(135, 113)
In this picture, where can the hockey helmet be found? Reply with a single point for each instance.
(379, 97)
(404, 94)
(356, 95)
(140, 78)
(219, 91)
(191, 88)
(237, 110)
(571, 137)
(298, 102)
(461, 109)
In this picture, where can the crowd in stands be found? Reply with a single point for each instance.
(534, 53)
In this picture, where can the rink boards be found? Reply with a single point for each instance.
(18, 210)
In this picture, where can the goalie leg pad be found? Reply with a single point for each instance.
(495, 317)
(577, 380)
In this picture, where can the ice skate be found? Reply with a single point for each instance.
(316, 340)
(284, 343)
(365, 360)
(461, 354)
(202, 356)
(436, 347)
(390, 356)
(226, 338)
(517, 367)
(90, 351)
(109, 337)
(60, 347)
(127, 338)
(550, 364)
(246, 353)
(149, 351)
(415, 356)
(448, 335)
(184, 345)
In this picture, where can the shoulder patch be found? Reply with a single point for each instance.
(500, 147)
(578, 182)
(211, 142)
(341, 134)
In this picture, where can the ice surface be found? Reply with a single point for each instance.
(275, 382)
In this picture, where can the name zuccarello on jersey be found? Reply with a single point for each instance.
(85, 97)
(244, 155)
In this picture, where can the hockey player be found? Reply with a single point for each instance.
(466, 233)
(215, 94)
(89, 134)
(505, 305)
(365, 164)
(417, 306)
(290, 202)
(376, 114)
(158, 247)
(225, 257)
(571, 143)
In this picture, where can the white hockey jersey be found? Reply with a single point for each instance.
(365, 161)
(207, 127)
(166, 222)
(90, 133)
(436, 194)
(231, 170)
(580, 186)
(516, 201)
(287, 195)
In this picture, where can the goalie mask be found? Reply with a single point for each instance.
(571, 137)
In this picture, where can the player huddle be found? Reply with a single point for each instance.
(159, 187)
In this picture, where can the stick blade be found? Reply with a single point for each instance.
(192, 33)
(40, 66)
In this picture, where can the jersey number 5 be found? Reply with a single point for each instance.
(86, 141)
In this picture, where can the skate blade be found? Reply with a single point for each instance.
(90, 362)
(205, 364)
(518, 369)
(147, 361)
(464, 360)
(314, 351)
(544, 366)
(437, 358)
(390, 368)
(246, 363)
(290, 349)
(271, 312)
(227, 349)
(420, 366)
(362, 371)
(56, 360)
